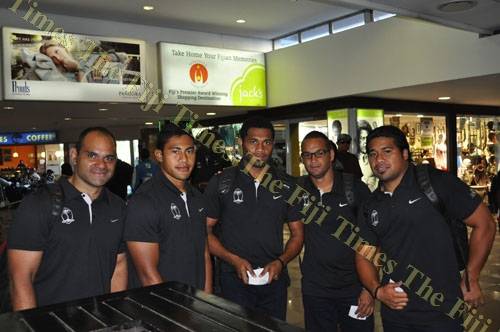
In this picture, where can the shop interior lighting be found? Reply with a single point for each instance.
(148, 8)
(241, 21)
(444, 98)
(15, 155)
(8, 107)
(420, 116)
(42, 154)
(399, 115)
(102, 109)
(67, 119)
(148, 123)
(211, 113)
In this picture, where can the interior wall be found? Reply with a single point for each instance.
(395, 52)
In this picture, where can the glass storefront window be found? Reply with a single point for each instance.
(478, 150)
(426, 136)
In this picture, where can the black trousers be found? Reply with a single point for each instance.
(269, 299)
(447, 325)
(323, 314)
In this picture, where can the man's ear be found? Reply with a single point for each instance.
(158, 155)
(73, 156)
(406, 154)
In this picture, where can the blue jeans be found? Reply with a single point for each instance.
(323, 314)
(268, 299)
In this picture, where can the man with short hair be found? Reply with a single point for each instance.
(76, 250)
(348, 160)
(249, 209)
(330, 285)
(165, 227)
(421, 288)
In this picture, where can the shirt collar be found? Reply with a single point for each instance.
(70, 191)
(338, 184)
(167, 184)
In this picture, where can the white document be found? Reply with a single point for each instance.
(397, 289)
(258, 280)
(352, 313)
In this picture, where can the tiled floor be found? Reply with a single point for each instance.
(490, 283)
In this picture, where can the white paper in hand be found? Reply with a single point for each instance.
(258, 280)
(397, 289)
(352, 313)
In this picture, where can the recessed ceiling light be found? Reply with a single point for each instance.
(211, 113)
(148, 123)
(103, 109)
(241, 21)
(399, 115)
(457, 6)
(444, 98)
(8, 107)
(148, 8)
(33, 128)
(67, 119)
(420, 116)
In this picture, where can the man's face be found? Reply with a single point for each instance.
(386, 160)
(62, 58)
(177, 158)
(317, 156)
(95, 162)
(343, 146)
(363, 134)
(258, 143)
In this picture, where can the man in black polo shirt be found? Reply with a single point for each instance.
(78, 252)
(330, 285)
(250, 219)
(421, 288)
(165, 227)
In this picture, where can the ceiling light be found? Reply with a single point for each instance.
(211, 113)
(420, 116)
(241, 21)
(67, 119)
(148, 8)
(15, 155)
(399, 115)
(8, 107)
(102, 109)
(33, 128)
(444, 98)
(148, 123)
(457, 6)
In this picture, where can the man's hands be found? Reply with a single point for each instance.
(475, 297)
(365, 304)
(274, 268)
(242, 266)
(395, 300)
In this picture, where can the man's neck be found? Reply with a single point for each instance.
(83, 187)
(179, 184)
(324, 183)
(391, 185)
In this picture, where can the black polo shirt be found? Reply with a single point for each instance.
(250, 218)
(79, 246)
(410, 230)
(157, 213)
(328, 268)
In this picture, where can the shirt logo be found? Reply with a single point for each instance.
(276, 197)
(374, 218)
(113, 220)
(305, 200)
(176, 213)
(67, 216)
(237, 196)
(199, 210)
(342, 204)
(411, 201)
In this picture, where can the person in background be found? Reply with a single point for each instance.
(66, 170)
(145, 169)
(122, 178)
(348, 160)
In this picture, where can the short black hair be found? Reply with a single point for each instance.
(170, 130)
(85, 132)
(317, 134)
(390, 132)
(256, 122)
(144, 154)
